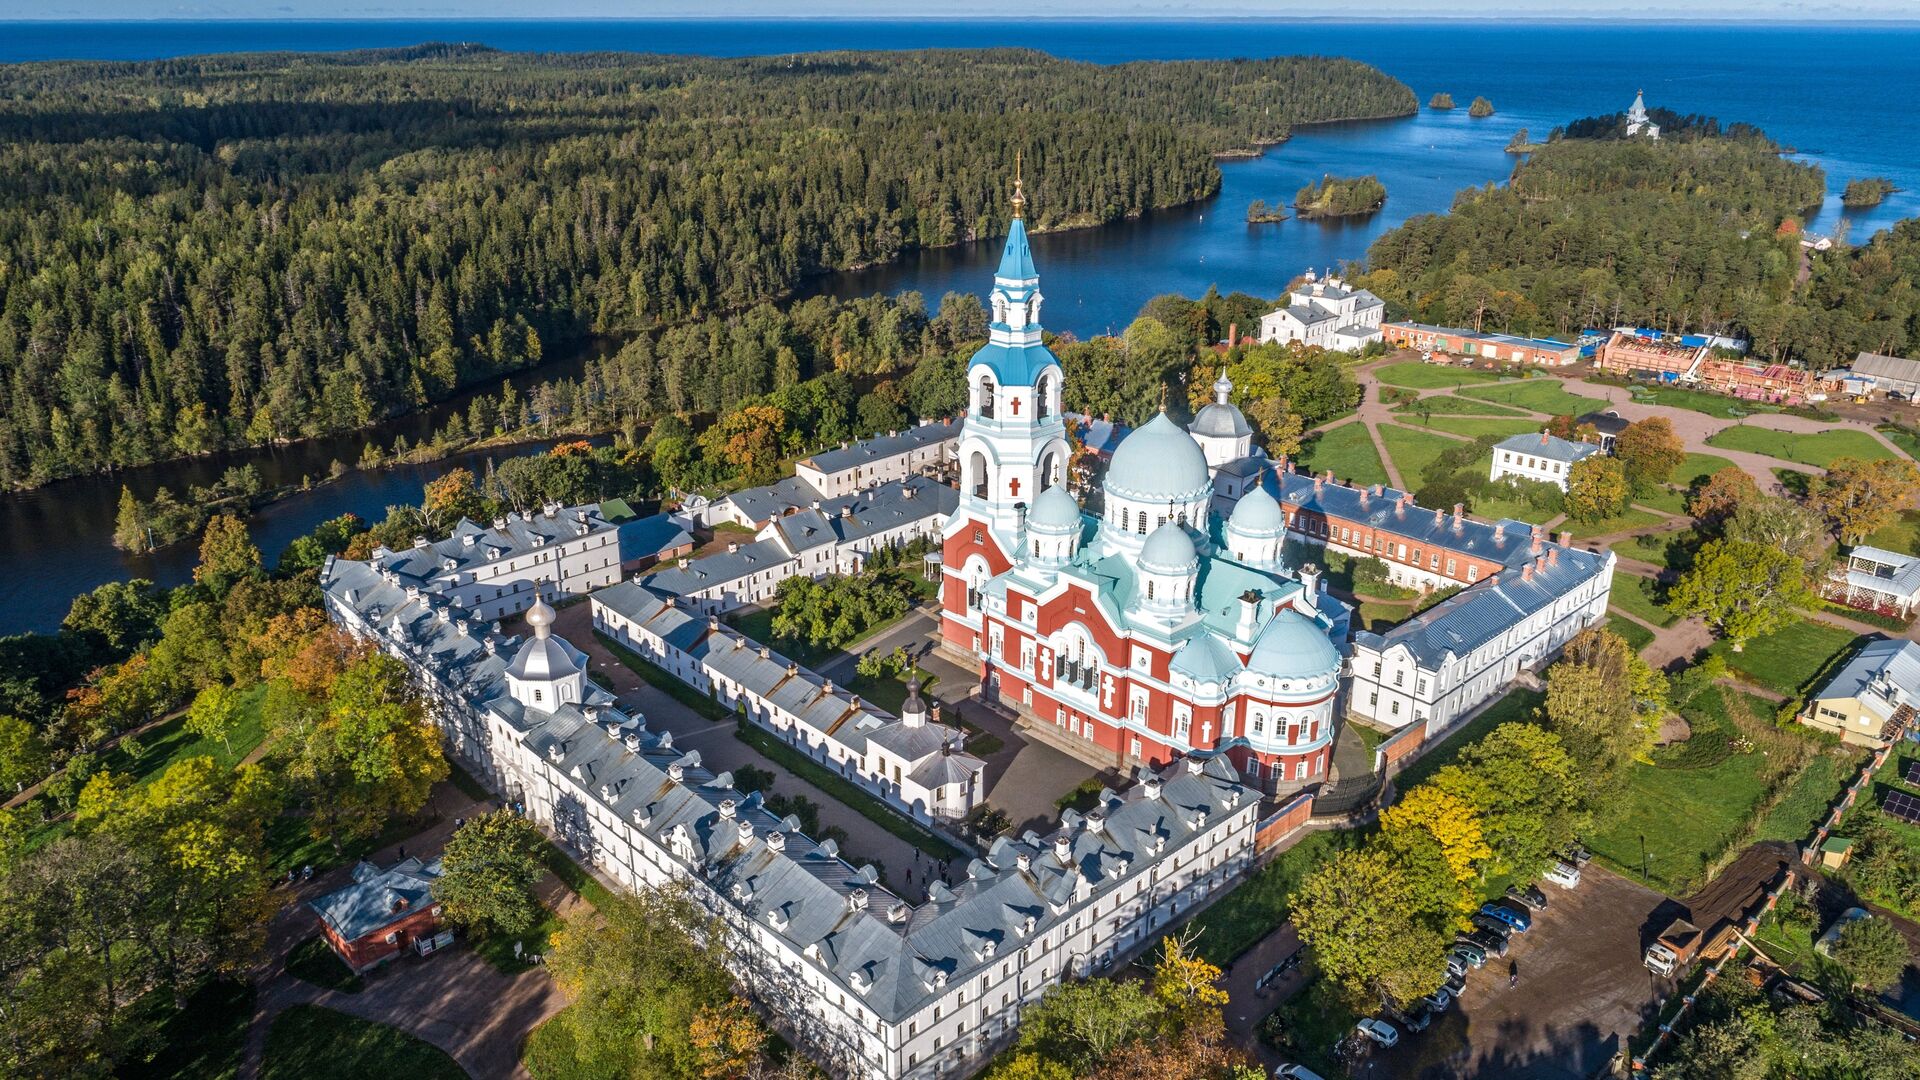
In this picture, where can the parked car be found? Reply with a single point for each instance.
(1564, 874)
(1515, 917)
(1295, 1072)
(1439, 1001)
(1457, 968)
(1473, 955)
(1415, 1017)
(1529, 895)
(1379, 1031)
(1497, 927)
(1489, 942)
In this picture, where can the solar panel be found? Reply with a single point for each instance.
(1903, 806)
(1913, 772)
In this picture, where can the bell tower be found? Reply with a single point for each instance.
(1013, 443)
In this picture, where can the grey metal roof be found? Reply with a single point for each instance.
(1902, 577)
(880, 447)
(1881, 366)
(1483, 611)
(1551, 447)
(651, 537)
(473, 545)
(772, 500)
(895, 956)
(377, 898)
(1885, 675)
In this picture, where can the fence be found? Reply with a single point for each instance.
(1281, 824)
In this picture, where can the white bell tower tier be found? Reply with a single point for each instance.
(1013, 444)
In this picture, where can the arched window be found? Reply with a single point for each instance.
(1149, 590)
(1125, 523)
(977, 475)
(986, 396)
(1141, 526)
(1043, 398)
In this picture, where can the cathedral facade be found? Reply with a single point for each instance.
(1157, 628)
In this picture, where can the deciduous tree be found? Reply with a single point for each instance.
(1873, 953)
(1859, 497)
(488, 872)
(1722, 494)
(216, 713)
(1596, 489)
(1355, 911)
(1649, 451)
(1743, 590)
(227, 554)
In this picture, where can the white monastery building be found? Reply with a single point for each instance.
(495, 572)
(1543, 457)
(1326, 312)
(869, 984)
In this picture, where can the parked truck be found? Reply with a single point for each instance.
(1682, 942)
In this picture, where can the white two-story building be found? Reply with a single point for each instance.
(1326, 312)
(1543, 457)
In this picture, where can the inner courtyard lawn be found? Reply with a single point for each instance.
(1347, 450)
(1631, 518)
(1637, 596)
(1475, 426)
(1418, 375)
(1902, 534)
(1791, 659)
(1635, 635)
(1548, 396)
(1818, 448)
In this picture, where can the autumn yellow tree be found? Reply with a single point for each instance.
(1184, 983)
(727, 1039)
(1450, 820)
(1859, 497)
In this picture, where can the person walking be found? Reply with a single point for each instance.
(1513, 974)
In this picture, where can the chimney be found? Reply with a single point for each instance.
(1063, 848)
(1544, 437)
(733, 547)
(1151, 786)
(1310, 586)
(713, 623)
(1024, 861)
(827, 688)
(792, 668)
(1526, 572)
(1233, 334)
(1566, 539)
(1249, 615)
(1553, 556)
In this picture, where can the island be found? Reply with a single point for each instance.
(1866, 193)
(1480, 109)
(1260, 213)
(1340, 196)
(1522, 144)
(1442, 100)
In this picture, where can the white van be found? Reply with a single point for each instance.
(1564, 874)
(1295, 1072)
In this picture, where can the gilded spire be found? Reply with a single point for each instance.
(1019, 195)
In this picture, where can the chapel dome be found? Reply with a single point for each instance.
(1258, 513)
(1293, 646)
(539, 616)
(1169, 550)
(1158, 463)
(1054, 511)
(1220, 421)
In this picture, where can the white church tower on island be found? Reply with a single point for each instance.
(1638, 122)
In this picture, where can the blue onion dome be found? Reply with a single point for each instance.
(1169, 551)
(1158, 463)
(1293, 646)
(1258, 513)
(1054, 511)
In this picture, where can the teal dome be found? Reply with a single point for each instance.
(1054, 511)
(1293, 647)
(1258, 513)
(1158, 463)
(1169, 550)
(1016, 365)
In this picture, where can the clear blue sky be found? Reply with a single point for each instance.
(1755, 10)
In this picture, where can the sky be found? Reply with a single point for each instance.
(1742, 10)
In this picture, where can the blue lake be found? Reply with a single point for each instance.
(1840, 96)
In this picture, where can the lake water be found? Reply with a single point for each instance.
(1840, 96)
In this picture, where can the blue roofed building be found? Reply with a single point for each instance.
(1869, 701)
(1548, 459)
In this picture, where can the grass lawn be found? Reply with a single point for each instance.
(1788, 660)
(313, 961)
(1419, 375)
(1636, 635)
(1548, 396)
(1687, 816)
(889, 691)
(663, 680)
(291, 844)
(1697, 466)
(1818, 449)
(584, 885)
(1725, 408)
(203, 1039)
(1902, 438)
(1348, 451)
(1083, 795)
(497, 949)
(308, 1042)
(1475, 426)
(1450, 405)
(1259, 904)
(1665, 549)
(1517, 706)
(1379, 617)
(1810, 795)
(1640, 596)
(1413, 450)
(171, 743)
(1902, 534)
(846, 791)
(1494, 509)
(1632, 518)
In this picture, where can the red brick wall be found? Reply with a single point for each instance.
(1282, 823)
(374, 948)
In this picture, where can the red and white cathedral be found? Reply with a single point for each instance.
(1159, 628)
